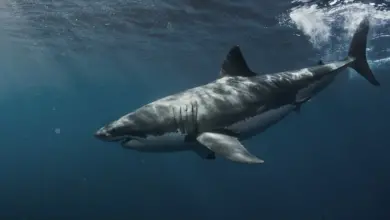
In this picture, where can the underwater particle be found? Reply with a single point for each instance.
(54, 108)
(57, 130)
(169, 26)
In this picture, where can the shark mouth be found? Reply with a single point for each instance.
(125, 140)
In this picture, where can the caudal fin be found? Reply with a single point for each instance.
(357, 51)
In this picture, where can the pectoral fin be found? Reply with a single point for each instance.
(298, 104)
(228, 147)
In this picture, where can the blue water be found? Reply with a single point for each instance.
(68, 67)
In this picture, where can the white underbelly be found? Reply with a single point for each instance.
(168, 142)
(259, 123)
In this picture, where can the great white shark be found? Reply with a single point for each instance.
(214, 119)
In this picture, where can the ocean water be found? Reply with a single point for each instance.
(68, 67)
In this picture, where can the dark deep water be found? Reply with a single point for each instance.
(69, 66)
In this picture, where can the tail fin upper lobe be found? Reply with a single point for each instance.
(357, 51)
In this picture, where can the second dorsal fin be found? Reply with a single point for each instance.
(235, 64)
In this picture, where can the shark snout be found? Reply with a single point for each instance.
(108, 133)
(103, 134)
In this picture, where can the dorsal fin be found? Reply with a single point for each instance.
(320, 62)
(235, 64)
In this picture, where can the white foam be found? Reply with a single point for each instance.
(318, 23)
(313, 22)
(333, 26)
(380, 62)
